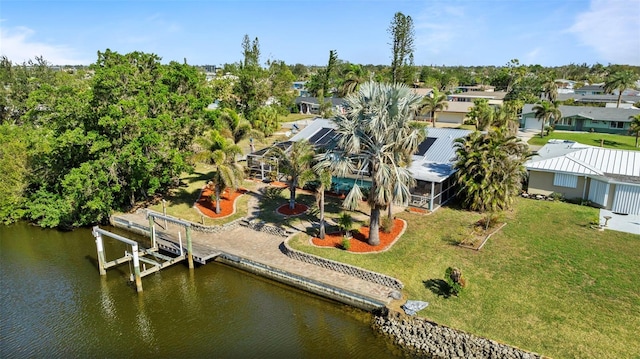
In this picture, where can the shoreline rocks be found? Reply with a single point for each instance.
(426, 339)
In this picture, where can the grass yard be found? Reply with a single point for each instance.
(546, 282)
(295, 117)
(618, 142)
(180, 202)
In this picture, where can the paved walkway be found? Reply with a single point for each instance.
(266, 249)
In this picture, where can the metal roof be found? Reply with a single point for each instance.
(434, 165)
(588, 160)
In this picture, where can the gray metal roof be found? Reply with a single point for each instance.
(588, 160)
(436, 164)
(594, 113)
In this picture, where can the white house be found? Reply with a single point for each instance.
(606, 177)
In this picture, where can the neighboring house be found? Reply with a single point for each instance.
(625, 100)
(456, 112)
(608, 178)
(422, 91)
(484, 88)
(565, 86)
(583, 118)
(432, 165)
(459, 105)
(590, 90)
(300, 88)
(310, 105)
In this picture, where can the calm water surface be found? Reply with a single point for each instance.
(54, 303)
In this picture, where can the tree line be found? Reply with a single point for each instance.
(78, 143)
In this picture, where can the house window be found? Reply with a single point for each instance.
(565, 180)
(566, 121)
(617, 124)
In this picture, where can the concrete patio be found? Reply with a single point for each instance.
(628, 223)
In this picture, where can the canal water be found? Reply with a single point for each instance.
(54, 304)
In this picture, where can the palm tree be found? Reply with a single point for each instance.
(323, 176)
(353, 76)
(550, 88)
(296, 164)
(620, 81)
(490, 169)
(544, 111)
(634, 126)
(433, 103)
(481, 114)
(228, 174)
(374, 131)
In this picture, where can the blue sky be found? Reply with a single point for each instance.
(482, 32)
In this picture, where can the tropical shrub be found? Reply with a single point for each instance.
(453, 277)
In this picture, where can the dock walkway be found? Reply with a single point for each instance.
(262, 248)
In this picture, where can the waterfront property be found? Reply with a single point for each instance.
(606, 177)
(583, 118)
(432, 165)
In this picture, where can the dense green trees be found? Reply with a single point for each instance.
(102, 143)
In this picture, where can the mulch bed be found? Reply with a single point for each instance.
(298, 208)
(359, 240)
(278, 184)
(418, 210)
(207, 206)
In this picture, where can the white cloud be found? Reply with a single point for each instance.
(16, 44)
(612, 29)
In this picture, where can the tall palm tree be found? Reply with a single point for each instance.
(433, 103)
(296, 164)
(375, 128)
(634, 126)
(620, 81)
(228, 174)
(323, 176)
(546, 110)
(490, 169)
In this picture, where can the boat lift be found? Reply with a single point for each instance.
(136, 255)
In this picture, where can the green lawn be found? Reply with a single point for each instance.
(618, 142)
(295, 117)
(180, 202)
(546, 282)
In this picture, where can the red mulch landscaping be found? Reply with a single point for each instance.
(208, 206)
(359, 240)
(278, 184)
(418, 210)
(299, 208)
